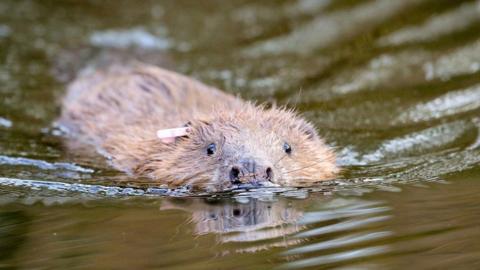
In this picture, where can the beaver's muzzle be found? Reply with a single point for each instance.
(247, 170)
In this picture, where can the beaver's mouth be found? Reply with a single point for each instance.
(256, 184)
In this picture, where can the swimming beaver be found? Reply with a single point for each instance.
(227, 141)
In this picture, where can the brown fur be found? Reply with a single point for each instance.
(119, 111)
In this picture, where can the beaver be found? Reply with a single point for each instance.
(227, 142)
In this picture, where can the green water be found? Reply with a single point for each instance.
(394, 86)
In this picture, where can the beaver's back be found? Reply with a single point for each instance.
(125, 100)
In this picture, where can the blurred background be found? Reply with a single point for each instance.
(394, 86)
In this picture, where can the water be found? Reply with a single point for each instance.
(394, 86)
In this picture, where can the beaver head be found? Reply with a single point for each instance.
(250, 145)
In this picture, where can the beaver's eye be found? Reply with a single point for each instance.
(287, 148)
(211, 149)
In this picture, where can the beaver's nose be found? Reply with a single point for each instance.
(247, 170)
(249, 165)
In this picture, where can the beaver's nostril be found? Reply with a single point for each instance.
(235, 175)
(269, 173)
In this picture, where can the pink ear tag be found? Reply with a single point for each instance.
(169, 135)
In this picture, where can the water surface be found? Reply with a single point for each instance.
(394, 86)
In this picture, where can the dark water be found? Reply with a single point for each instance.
(393, 85)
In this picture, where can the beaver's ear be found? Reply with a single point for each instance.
(308, 129)
(202, 126)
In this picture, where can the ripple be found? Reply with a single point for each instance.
(302, 7)
(338, 242)
(442, 24)
(386, 71)
(432, 167)
(328, 29)
(4, 31)
(342, 226)
(252, 14)
(420, 141)
(337, 257)
(451, 103)
(321, 216)
(5, 122)
(135, 37)
(413, 144)
(41, 164)
(465, 60)
(262, 195)
(67, 187)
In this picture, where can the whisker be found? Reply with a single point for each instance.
(197, 173)
(305, 167)
(275, 164)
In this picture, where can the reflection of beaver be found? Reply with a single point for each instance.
(228, 141)
(252, 221)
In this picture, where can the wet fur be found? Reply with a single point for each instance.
(119, 110)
